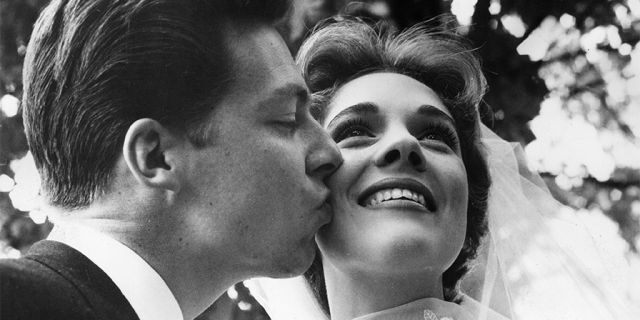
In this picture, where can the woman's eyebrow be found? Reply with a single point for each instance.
(432, 111)
(360, 109)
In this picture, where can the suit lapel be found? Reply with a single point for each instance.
(95, 286)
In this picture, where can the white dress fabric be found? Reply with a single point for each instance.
(426, 309)
(538, 261)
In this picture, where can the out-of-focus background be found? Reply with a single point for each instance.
(564, 80)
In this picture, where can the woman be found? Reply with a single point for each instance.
(410, 200)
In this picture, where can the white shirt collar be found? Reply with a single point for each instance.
(142, 286)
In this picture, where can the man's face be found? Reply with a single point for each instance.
(256, 193)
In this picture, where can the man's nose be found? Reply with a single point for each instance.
(402, 150)
(324, 157)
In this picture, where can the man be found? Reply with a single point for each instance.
(175, 144)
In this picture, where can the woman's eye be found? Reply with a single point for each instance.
(352, 129)
(443, 135)
(434, 136)
(355, 133)
(352, 133)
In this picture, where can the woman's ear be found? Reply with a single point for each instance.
(146, 150)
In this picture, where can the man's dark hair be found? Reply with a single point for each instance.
(93, 67)
(344, 49)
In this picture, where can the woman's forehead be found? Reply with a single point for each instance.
(389, 91)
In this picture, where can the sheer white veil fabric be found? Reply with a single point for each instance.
(550, 265)
(538, 261)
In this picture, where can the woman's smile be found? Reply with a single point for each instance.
(398, 193)
(392, 196)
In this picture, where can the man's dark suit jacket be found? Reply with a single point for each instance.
(54, 281)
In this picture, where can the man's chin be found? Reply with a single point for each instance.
(293, 265)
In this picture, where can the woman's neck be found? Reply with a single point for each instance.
(356, 294)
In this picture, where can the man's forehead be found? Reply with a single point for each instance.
(245, 43)
(260, 55)
(264, 75)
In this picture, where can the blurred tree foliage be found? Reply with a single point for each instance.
(574, 57)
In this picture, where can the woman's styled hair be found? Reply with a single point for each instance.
(342, 49)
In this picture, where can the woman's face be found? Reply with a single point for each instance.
(400, 197)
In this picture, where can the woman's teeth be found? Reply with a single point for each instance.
(392, 194)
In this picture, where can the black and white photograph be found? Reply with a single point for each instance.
(320, 159)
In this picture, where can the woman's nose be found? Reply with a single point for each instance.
(402, 150)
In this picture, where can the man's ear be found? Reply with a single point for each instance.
(147, 149)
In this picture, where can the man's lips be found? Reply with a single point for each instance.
(397, 189)
(324, 208)
(326, 212)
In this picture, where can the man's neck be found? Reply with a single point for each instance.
(194, 285)
(359, 293)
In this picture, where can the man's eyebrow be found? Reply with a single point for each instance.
(295, 90)
(362, 108)
(432, 111)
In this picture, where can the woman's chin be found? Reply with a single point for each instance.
(390, 237)
(397, 254)
(405, 254)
